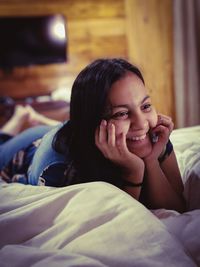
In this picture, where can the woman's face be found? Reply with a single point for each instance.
(132, 113)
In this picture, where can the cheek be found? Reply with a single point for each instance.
(121, 127)
(153, 119)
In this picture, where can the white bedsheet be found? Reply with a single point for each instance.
(95, 224)
(187, 147)
(91, 224)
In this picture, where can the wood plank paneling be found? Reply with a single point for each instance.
(73, 9)
(149, 33)
(139, 30)
(92, 26)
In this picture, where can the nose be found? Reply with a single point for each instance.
(138, 122)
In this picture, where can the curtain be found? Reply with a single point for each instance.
(187, 62)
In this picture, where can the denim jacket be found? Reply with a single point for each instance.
(47, 162)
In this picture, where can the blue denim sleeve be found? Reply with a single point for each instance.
(44, 157)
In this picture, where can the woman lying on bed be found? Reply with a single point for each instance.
(114, 135)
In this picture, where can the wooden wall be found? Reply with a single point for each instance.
(138, 30)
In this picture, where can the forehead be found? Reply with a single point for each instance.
(129, 89)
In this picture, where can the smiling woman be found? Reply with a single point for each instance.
(108, 138)
(131, 112)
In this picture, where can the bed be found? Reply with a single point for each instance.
(96, 224)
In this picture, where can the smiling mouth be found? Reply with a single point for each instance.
(137, 138)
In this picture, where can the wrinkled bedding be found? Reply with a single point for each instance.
(97, 224)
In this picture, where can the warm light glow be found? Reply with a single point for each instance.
(57, 29)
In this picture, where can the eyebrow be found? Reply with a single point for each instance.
(145, 98)
(125, 106)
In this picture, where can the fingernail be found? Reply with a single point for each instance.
(154, 138)
(103, 123)
(110, 124)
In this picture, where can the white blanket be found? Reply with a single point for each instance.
(187, 147)
(96, 224)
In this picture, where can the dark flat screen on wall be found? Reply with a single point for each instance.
(26, 41)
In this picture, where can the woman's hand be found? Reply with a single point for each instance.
(160, 135)
(115, 149)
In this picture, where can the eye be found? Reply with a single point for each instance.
(146, 107)
(120, 115)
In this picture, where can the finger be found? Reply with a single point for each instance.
(101, 135)
(163, 118)
(121, 144)
(106, 139)
(171, 126)
(164, 115)
(111, 134)
(103, 132)
(166, 121)
(162, 132)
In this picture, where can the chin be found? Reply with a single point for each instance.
(140, 148)
(141, 153)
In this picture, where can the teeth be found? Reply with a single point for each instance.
(137, 138)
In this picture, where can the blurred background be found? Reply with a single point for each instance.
(161, 37)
